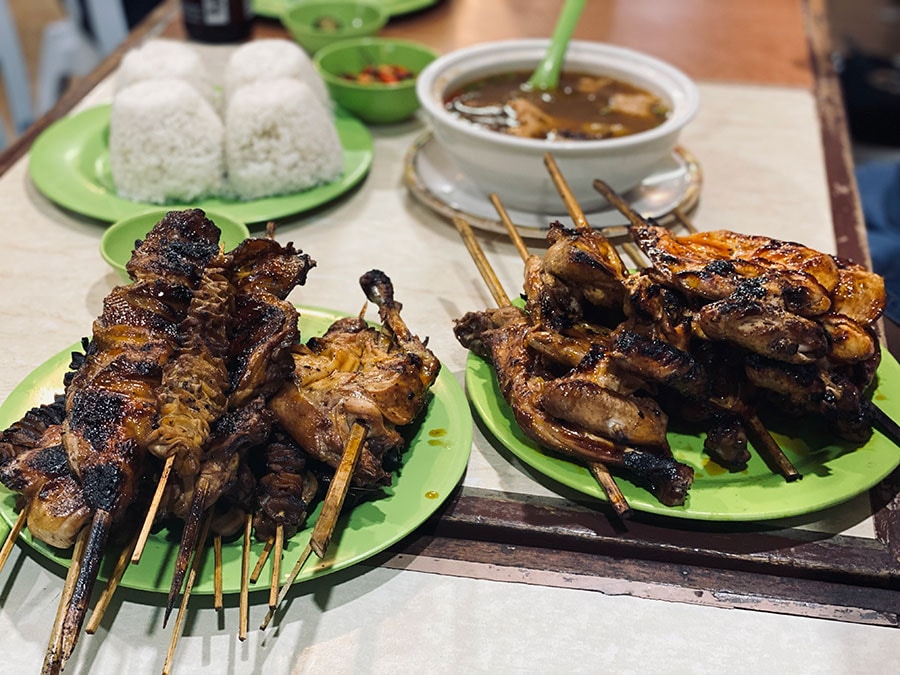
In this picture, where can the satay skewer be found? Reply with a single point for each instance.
(277, 555)
(152, 510)
(189, 586)
(766, 444)
(261, 561)
(189, 543)
(598, 470)
(97, 534)
(244, 603)
(112, 584)
(14, 534)
(323, 530)
(218, 602)
(53, 658)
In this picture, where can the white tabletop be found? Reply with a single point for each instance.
(388, 619)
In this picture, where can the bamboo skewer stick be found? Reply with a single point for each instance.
(323, 530)
(767, 445)
(53, 658)
(106, 595)
(152, 510)
(189, 543)
(244, 605)
(189, 586)
(337, 490)
(600, 472)
(511, 230)
(14, 534)
(884, 423)
(277, 555)
(261, 561)
(481, 262)
(295, 571)
(218, 602)
(88, 567)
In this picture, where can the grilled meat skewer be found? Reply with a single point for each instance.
(260, 334)
(500, 336)
(111, 399)
(356, 372)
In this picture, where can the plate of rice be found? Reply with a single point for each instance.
(71, 161)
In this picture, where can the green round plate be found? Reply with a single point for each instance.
(69, 164)
(273, 9)
(434, 463)
(833, 471)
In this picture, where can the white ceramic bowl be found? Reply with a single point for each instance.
(514, 167)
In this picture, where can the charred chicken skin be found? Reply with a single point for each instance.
(501, 337)
(357, 373)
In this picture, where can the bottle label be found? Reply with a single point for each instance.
(216, 12)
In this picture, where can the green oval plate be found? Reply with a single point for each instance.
(69, 164)
(273, 9)
(432, 466)
(833, 471)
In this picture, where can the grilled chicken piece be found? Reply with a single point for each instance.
(784, 255)
(264, 328)
(809, 388)
(28, 432)
(58, 511)
(706, 273)
(358, 373)
(655, 311)
(41, 474)
(585, 260)
(726, 442)
(265, 266)
(579, 277)
(548, 301)
(658, 362)
(848, 341)
(860, 294)
(500, 336)
(232, 436)
(176, 249)
(756, 320)
(285, 490)
(625, 419)
(30, 468)
(230, 510)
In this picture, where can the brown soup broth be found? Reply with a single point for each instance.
(583, 106)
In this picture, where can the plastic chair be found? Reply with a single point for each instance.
(15, 75)
(68, 51)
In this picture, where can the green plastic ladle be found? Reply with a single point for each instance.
(546, 75)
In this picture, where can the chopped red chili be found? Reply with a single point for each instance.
(384, 73)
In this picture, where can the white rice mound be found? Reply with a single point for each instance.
(279, 138)
(270, 59)
(166, 143)
(165, 59)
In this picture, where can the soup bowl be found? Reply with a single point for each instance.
(513, 167)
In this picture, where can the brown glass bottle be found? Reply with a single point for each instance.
(217, 20)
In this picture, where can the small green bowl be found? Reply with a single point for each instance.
(117, 242)
(318, 23)
(373, 103)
